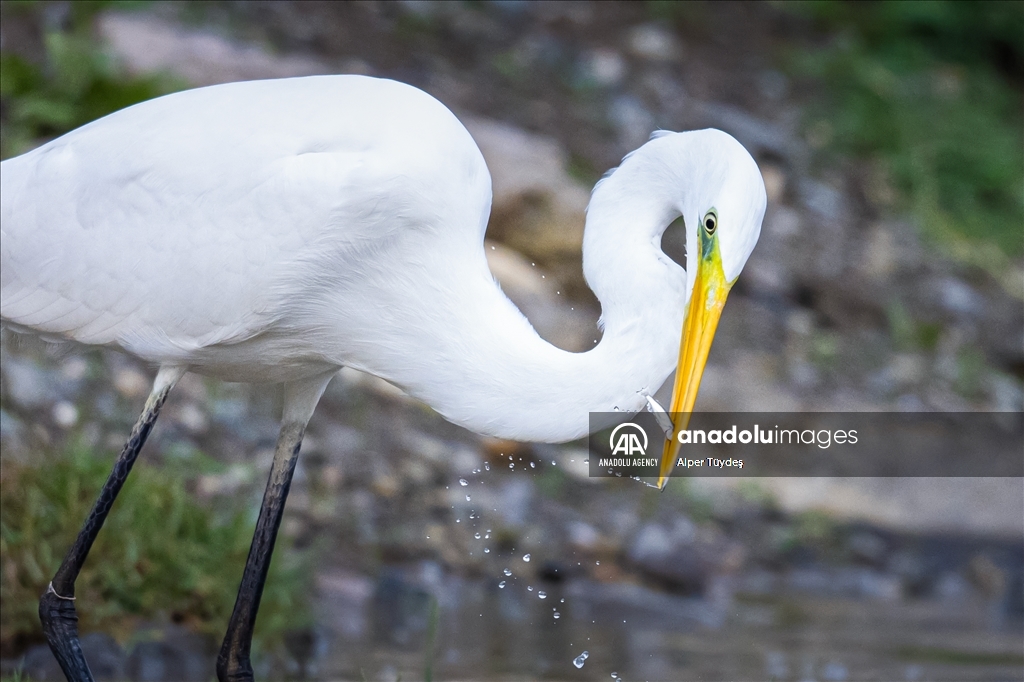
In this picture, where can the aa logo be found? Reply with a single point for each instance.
(628, 439)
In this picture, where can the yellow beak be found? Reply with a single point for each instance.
(702, 314)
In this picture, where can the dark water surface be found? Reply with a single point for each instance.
(634, 633)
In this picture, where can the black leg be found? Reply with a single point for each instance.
(233, 661)
(57, 605)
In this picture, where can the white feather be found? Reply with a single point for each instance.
(274, 230)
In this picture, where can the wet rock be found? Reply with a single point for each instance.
(682, 555)
(774, 181)
(845, 581)
(761, 137)
(633, 121)
(147, 44)
(193, 419)
(131, 383)
(653, 42)
(603, 67)
(958, 297)
(171, 653)
(583, 535)
(537, 208)
(64, 414)
(867, 547)
(27, 385)
(880, 256)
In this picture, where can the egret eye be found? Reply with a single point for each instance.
(710, 222)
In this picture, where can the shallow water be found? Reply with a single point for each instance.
(487, 633)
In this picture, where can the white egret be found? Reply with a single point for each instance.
(275, 231)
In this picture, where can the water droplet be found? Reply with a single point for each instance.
(598, 563)
(507, 572)
(615, 676)
(511, 466)
(487, 550)
(487, 467)
(492, 248)
(532, 465)
(581, 659)
(463, 482)
(556, 615)
(562, 600)
(526, 557)
(458, 520)
(468, 498)
(529, 588)
(501, 584)
(476, 535)
(542, 594)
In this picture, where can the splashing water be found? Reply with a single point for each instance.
(581, 659)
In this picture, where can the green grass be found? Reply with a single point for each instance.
(162, 555)
(74, 83)
(930, 95)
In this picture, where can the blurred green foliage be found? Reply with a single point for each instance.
(161, 553)
(73, 83)
(931, 92)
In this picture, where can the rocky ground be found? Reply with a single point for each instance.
(842, 307)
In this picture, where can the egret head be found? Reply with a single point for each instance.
(722, 214)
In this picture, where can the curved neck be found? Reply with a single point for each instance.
(534, 390)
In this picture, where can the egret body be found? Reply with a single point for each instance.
(276, 231)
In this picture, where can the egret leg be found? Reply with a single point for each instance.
(233, 664)
(57, 605)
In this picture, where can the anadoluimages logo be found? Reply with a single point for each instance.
(628, 439)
